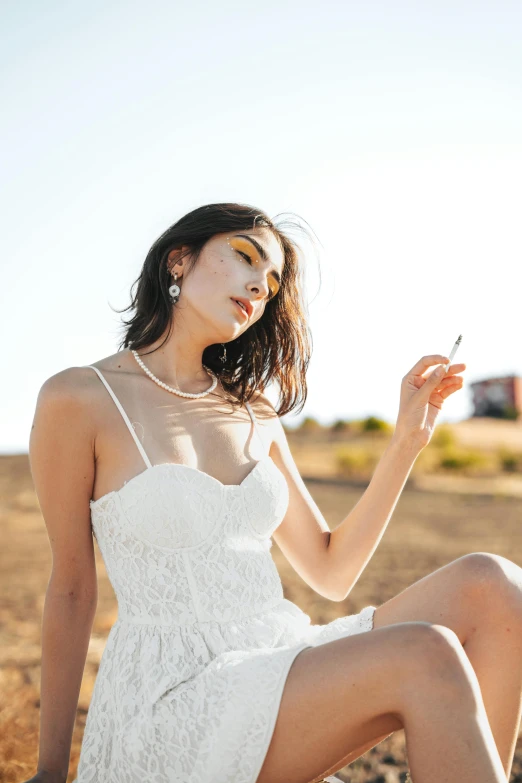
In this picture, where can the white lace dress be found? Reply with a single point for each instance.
(193, 671)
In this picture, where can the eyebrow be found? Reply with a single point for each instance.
(262, 252)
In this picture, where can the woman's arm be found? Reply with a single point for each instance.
(61, 452)
(354, 541)
(66, 629)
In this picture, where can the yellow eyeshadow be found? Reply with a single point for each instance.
(238, 243)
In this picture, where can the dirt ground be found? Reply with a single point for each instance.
(428, 529)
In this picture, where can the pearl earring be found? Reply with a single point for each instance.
(174, 290)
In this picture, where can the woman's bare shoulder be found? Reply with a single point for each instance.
(73, 400)
(78, 382)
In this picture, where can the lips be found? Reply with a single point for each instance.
(247, 307)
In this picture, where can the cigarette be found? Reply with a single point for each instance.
(453, 352)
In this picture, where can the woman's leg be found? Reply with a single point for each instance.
(344, 693)
(478, 597)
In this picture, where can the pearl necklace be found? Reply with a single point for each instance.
(177, 391)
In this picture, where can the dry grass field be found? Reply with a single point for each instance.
(429, 528)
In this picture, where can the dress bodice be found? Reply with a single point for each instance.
(180, 547)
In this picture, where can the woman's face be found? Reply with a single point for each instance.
(245, 265)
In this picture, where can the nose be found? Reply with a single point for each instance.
(259, 287)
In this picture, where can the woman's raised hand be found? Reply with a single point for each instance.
(422, 396)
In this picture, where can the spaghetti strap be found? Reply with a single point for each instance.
(124, 416)
(254, 421)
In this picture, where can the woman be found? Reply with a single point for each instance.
(209, 674)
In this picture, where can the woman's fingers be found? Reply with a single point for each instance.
(452, 369)
(451, 380)
(456, 368)
(450, 389)
(426, 362)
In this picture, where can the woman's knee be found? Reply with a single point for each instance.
(491, 575)
(437, 660)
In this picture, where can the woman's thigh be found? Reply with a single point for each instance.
(351, 693)
(448, 596)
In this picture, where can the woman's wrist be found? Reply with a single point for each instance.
(407, 442)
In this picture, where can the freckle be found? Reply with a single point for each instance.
(508, 629)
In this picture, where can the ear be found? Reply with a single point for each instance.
(174, 260)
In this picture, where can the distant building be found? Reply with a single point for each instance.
(498, 397)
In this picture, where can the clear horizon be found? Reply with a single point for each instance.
(394, 131)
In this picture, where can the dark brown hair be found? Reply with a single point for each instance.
(277, 347)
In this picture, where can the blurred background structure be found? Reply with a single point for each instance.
(498, 397)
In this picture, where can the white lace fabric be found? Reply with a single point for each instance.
(193, 671)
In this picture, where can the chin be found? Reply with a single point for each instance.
(224, 334)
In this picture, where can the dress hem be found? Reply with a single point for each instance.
(275, 711)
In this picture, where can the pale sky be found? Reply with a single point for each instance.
(393, 129)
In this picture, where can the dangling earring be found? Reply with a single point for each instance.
(174, 290)
(223, 356)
